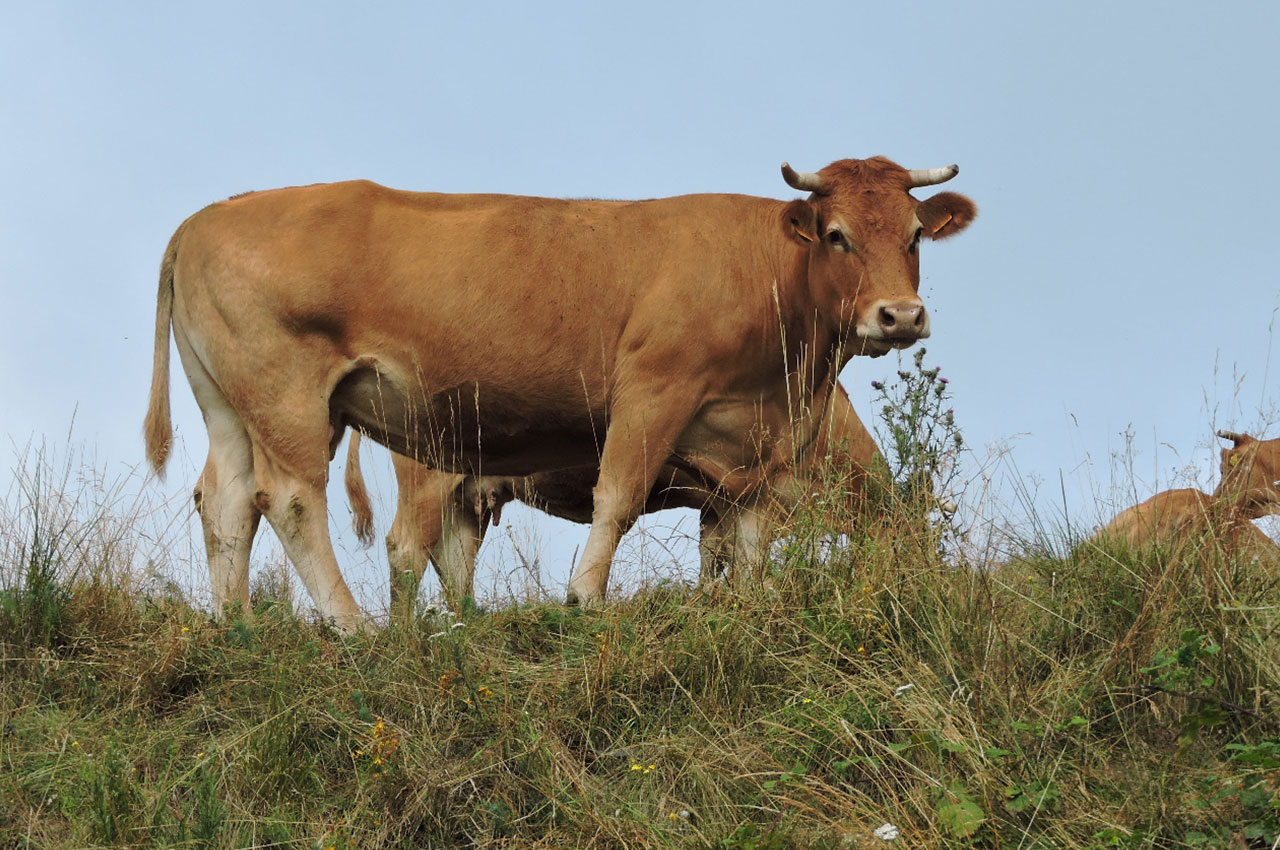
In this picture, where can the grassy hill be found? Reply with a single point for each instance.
(1104, 699)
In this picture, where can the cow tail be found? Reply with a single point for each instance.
(158, 426)
(362, 511)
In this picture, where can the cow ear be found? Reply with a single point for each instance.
(800, 221)
(1231, 459)
(946, 214)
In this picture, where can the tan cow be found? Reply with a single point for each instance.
(441, 517)
(503, 335)
(1248, 490)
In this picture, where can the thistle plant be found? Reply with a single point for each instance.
(921, 443)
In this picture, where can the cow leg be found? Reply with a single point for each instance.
(414, 532)
(434, 522)
(224, 499)
(224, 493)
(636, 446)
(750, 548)
(737, 542)
(454, 555)
(295, 505)
(714, 547)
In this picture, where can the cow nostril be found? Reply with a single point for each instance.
(897, 319)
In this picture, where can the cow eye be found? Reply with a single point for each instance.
(915, 241)
(835, 237)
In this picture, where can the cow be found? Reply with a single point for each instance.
(503, 335)
(441, 517)
(1249, 489)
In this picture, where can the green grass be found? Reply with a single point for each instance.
(1105, 699)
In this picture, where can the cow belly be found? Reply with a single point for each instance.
(461, 430)
(567, 493)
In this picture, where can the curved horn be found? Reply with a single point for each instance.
(1233, 437)
(805, 181)
(929, 176)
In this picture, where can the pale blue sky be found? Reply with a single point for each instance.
(1122, 273)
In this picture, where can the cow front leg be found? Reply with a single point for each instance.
(636, 446)
(735, 542)
(714, 546)
(750, 548)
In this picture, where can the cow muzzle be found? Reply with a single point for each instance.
(894, 324)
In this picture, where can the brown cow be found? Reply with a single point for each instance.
(441, 517)
(503, 335)
(1248, 490)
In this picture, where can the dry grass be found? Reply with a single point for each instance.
(1102, 699)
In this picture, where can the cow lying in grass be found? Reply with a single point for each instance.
(441, 517)
(1248, 490)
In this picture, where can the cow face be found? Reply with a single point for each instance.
(863, 231)
(1251, 472)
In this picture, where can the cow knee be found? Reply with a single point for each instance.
(610, 504)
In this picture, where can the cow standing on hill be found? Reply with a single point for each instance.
(441, 517)
(503, 335)
(1249, 489)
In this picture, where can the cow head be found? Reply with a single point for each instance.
(1251, 473)
(862, 229)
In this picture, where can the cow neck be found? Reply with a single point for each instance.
(807, 343)
(1234, 493)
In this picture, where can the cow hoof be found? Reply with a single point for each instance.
(358, 624)
(583, 598)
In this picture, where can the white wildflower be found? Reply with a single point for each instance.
(902, 689)
(436, 635)
(886, 832)
(457, 625)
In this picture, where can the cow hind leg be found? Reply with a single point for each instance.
(224, 493)
(295, 504)
(224, 500)
(434, 523)
(406, 564)
(407, 554)
(426, 504)
(454, 556)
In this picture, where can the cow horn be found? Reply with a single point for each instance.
(1233, 437)
(918, 177)
(803, 180)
